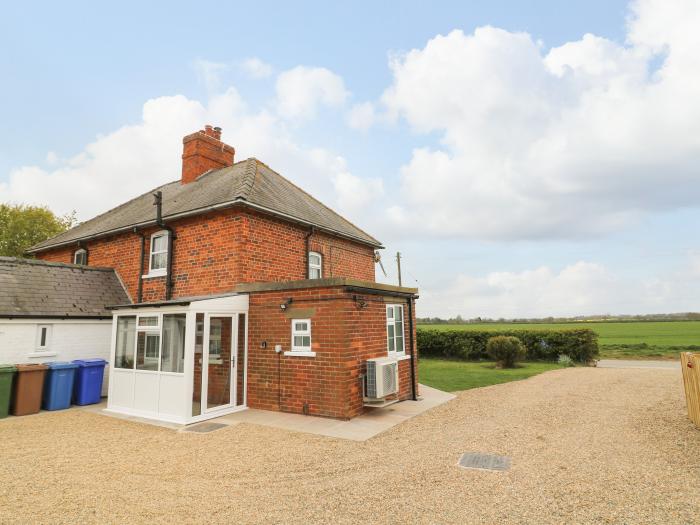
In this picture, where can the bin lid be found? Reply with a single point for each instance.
(58, 365)
(7, 369)
(90, 362)
(30, 367)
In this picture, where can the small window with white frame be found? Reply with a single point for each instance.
(315, 265)
(43, 337)
(394, 330)
(301, 335)
(80, 256)
(148, 342)
(158, 259)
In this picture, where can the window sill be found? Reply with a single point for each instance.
(400, 357)
(300, 354)
(152, 275)
(43, 354)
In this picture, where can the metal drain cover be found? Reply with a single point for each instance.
(203, 428)
(484, 461)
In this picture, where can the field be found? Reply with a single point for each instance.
(452, 376)
(623, 340)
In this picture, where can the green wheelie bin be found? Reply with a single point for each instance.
(7, 374)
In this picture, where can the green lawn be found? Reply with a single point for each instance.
(634, 339)
(451, 376)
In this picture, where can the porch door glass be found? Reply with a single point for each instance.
(241, 360)
(198, 364)
(221, 361)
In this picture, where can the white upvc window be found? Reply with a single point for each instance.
(301, 336)
(158, 258)
(43, 337)
(80, 256)
(148, 342)
(315, 265)
(394, 330)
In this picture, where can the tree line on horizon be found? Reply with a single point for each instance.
(678, 316)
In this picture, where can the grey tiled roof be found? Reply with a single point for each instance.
(39, 288)
(249, 182)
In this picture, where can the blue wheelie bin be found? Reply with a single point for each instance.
(88, 381)
(58, 385)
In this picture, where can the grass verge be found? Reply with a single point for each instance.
(643, 351)
(451, 376)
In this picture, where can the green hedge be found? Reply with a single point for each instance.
(542, 345)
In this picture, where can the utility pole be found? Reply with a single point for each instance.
(398, 264)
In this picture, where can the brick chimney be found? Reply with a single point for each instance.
(203, 151)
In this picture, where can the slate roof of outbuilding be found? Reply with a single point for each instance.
(44, 289)
(249, 182)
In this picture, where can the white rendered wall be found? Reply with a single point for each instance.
(79, 339)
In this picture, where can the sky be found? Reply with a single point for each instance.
(527, 158)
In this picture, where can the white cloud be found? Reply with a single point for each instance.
(582, 288)
(136, 158)
(209, 73)
(301, 90)
(256, 68)
(580, 140)
(354, 193)
(361, 116)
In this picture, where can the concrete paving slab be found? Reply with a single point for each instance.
(630, 363)
(373, 422)
(361, 428)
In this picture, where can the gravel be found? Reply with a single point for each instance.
(586, 446)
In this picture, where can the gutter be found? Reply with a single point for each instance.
(199, 211)
(413, 356)
(139, 293)
(53, 316)
(171, 237)
(148, 305)
(307, 240)
(379, 291)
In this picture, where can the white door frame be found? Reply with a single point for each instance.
(233, 363)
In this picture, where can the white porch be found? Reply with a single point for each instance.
(179, 361)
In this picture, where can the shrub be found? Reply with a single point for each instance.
(580, 344)
(565, 360)
(506, 350)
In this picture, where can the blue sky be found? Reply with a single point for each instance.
(504, 159)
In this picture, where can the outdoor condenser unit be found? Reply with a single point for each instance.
(382, 378)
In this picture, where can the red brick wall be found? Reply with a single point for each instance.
(214, 252)
(278, 252)
(343, 334)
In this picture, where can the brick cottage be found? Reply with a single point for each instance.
(245, 292)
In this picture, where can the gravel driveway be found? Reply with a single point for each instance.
(587, 446)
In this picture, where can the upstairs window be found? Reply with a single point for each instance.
(159, 254)
(80, 257)
(315, 265)
(394, 330)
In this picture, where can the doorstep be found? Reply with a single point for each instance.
(373, 422)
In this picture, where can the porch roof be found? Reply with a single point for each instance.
(181, 301)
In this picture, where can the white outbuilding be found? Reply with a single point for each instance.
(55, 311)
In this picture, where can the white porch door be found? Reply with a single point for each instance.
(220, 363)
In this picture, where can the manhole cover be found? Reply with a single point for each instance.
(203, 428)
(484, 461)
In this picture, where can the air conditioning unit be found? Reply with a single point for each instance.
(382, 378)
